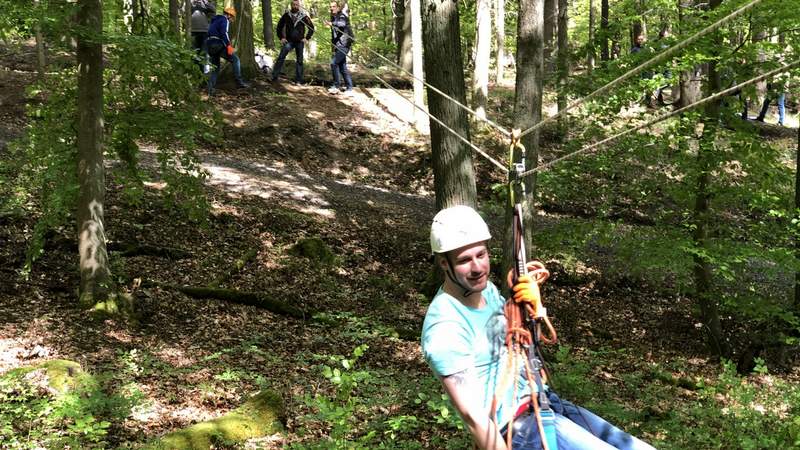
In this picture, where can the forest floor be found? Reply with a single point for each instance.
(294, 162)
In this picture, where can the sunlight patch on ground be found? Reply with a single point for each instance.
(267, 182)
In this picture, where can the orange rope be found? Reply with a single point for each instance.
(526, 298)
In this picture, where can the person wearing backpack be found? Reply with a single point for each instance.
(219, 46)
(202, 11)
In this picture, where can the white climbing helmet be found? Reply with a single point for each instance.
(456, 227)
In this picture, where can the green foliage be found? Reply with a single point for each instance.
(35, 416)
(151, 102)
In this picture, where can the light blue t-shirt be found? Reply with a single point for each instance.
(457, 338)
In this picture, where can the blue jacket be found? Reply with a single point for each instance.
(219, 29)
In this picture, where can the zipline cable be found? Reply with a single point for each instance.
(656, 59)
(431, 116)
(663, 117)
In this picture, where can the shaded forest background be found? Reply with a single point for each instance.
(273, 240)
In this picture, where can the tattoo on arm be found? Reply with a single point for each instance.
(458, 378)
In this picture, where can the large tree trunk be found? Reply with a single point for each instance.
(241, 31)
(417, 62)
(483, 50)
(563, 55)
(40, 55)
(590, 52)
(604, 31)
(500, 39)
(797, 238)
(402, 27)
(550, 18)
(175, 17)
(454, 178)
(702, 271)
(95, 273)
(690, 80)
(528, 104)
(266, 14)
(639, 27)
(187, 23)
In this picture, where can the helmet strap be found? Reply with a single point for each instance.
(451, 275)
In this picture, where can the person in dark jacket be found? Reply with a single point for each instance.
(202, 11)
(342, 39)
(219, 46)
(294, 30)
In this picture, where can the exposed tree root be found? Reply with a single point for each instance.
(129, 249)
(237, 267)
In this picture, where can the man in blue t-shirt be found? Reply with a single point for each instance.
(463, 342)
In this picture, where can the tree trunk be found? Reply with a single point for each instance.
(266, 13)
(528, 105)
(690, 80)
(187, 23)
(41, 63)
(402, 26)
(702, 271)
(604, 31)
(175, 17)
(454, 179)
(241, 31)
(415, 33)
(500, 39)
(797, 238)
(94, 269)
(563, 55)
(550, 18)
(483, 50)
(639, 27)
(590, 53)
(759, 35)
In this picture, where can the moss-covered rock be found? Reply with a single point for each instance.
(261, 415)
(314, 249)
(59, 376)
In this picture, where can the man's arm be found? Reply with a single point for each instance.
(462, 388)
(310, 25)
(280, 28)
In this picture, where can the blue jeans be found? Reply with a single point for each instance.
(215, 52)
(339, 64)
(781, 108)
(576, 429)
(298, 64)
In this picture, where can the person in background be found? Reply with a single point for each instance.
(342, 40)
(294, 29)
(219, 46)
(780, 97)
(202, 11)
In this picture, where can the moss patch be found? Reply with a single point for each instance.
(314, 249)
(259, 416)
(59, 376)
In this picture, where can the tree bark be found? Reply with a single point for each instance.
(175, 18)
(187, 23)
(241, 31)
(563, 55)
(266, 13)
(402, 25)
(690, 80)
(41, 63)
(94, 268)
(500, 39)
(797, 238)
(415, 14)
(483, 49)
(590, 52)
(550, 18)
(528, 105)
(454, 178)
(702, 271)
(604, 31)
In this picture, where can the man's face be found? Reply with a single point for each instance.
(295, 5)
(334, 8)
(640, 40)
(470, 265)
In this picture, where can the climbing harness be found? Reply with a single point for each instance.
(525, 314)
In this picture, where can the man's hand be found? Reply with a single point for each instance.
(283, 41)
(230, 50)
(463, 390)
(304, 41)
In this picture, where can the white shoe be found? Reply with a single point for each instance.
(333, 90)
(347, 92)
